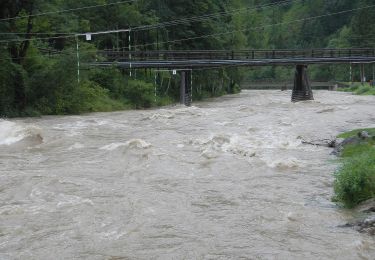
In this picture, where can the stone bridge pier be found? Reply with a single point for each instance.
(302, 90)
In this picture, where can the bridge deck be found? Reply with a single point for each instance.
(218, 58)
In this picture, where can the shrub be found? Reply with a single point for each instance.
(90, 97)
(139, 94)
(13, 80)
(363, 90)
(110, 79)
(355, 180)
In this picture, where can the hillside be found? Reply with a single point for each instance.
(38, 47)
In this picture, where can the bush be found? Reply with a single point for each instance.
(355, 180)
(12, 85)
(90, 97)
(110, 79)
(360, 89)
(139, 94)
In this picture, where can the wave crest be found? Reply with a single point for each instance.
(12, 133)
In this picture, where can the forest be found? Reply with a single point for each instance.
(39, 39)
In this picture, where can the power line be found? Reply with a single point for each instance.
(56, 54)
(146, 27)
(182, 20)
(67, 10)
(150, 44)
(211, 16)
(203, 36)
(39, 38)
(257, 27)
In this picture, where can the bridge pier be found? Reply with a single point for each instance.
(302, 90)
(185, 88)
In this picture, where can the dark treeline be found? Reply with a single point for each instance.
(38, 57)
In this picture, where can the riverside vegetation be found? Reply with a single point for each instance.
(38, 64)
(355, 179)
(359, 88)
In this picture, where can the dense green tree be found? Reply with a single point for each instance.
(38, 59)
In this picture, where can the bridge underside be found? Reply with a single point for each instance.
(189, 64)
(185, 61)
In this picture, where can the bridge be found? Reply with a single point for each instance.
(187, 60)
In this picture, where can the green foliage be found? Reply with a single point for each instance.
(164, 101)
(360, 89)
(40, 76)
(93, 98)
(139, 94)
(352, 133)
(110, 79)
(355, 180)
(12, 78)
(355, 150)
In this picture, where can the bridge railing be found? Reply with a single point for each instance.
(236, 55)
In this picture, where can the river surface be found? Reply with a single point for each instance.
(224, 179)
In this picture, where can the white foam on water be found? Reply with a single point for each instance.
(76, 146)
(222, 143)
(134, 143)
(162, 115)
(283, 164)
(112, 146)
(70, 200)
(11, 132)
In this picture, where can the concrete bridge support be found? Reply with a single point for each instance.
(185, 88)
(302, 89)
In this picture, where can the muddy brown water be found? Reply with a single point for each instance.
(224, 179)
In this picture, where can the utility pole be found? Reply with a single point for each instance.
(363, 73)
(183, 87)
(78, 62)
(88, 36)
(130, 55)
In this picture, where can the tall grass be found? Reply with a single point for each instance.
(360, 89)
(355, 180)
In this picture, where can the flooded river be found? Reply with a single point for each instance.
(224, 179)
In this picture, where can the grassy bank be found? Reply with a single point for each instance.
(359, 89)
(355, 179)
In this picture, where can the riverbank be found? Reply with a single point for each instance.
(92, 98)
(359, 88)
(355, 179)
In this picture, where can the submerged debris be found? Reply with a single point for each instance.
(331, 143)
(366, 224)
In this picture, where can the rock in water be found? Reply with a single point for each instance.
(361, 137)
(365, 224)
(364, 135)
(367, 206)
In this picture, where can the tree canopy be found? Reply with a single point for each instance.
(38, 59)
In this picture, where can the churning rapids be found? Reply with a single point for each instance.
(225, 179)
